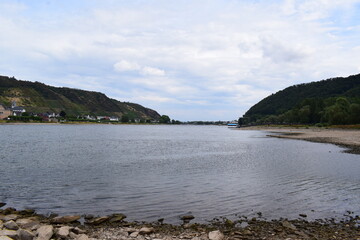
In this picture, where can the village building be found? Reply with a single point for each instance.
(4, 112)
(17, 110)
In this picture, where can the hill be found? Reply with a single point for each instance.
(310, 103)
(40, 98)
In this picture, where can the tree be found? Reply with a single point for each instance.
(124, 119)
(164, 119)
(62, 114)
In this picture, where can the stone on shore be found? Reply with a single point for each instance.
(187, 217)
(99, 220)
(216, 235)
(5, 238)
(118, 217)
(25, 235)
(65, 219)
(28, 223)
(77, 230)
(64, 231)
(11, 225)
(82, 237)
(2, 204)
(9, 233)
(146, 230)
(45, 232)
(9, 217)
(134, 234)
(288, 225)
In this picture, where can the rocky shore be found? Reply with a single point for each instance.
(28, 225)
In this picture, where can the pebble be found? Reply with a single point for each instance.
(10, 217)
(64, 231)
(99, 220)
(25, 235)
(146, 230)
(5, 238)
(288, 225)
(11, 225)
(134, 234)
(45, 232)
(216, 235)
(9, 233)
(82, 237)
(65, 219)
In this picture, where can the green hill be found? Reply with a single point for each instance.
(311, 103)
(40, 98)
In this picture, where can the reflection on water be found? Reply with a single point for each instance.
(148, 172)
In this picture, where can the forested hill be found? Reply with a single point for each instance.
(40, 98)
(311, 103)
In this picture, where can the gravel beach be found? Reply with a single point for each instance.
(27, 225)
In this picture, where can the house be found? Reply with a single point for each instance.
(16, 110)
(4, 112)
(114, 119)
(88, 117)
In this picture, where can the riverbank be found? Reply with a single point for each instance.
(349, 139)
(28, 225)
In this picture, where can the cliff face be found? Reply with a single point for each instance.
(39, 98)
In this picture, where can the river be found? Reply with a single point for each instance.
(161, 171)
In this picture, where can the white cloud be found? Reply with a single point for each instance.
(231, 53)
(151, 71)
(124, 66)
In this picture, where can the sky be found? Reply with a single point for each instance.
(191, 60)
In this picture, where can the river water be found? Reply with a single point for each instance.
(153, 171)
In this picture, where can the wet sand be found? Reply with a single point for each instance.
(350, 139)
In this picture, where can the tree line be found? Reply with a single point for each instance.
(330, 111)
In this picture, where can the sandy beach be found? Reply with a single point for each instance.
(350, 139)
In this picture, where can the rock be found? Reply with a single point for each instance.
(65, 219)
(1, 224)
(187, 217)
(134, 234)
(99, 220)
(303, 215)
(288, 225)
(77, 230)
(9, 210)
(73, 235)
(27, 223)
(10, 217)
(88, 216)
(5, 238)
(9, 233)
(45, 232)
(2, 204)
(117, 217)
(82, 237)
(11, 225)
(25, 235)
(216, 235)
(247, 232)
(146, 230)
(27, 212)
(64, 231)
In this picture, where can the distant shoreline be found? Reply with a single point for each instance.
(349, 139)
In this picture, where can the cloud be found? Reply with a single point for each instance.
(151, 71)
(172, 57)
(124, 66)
